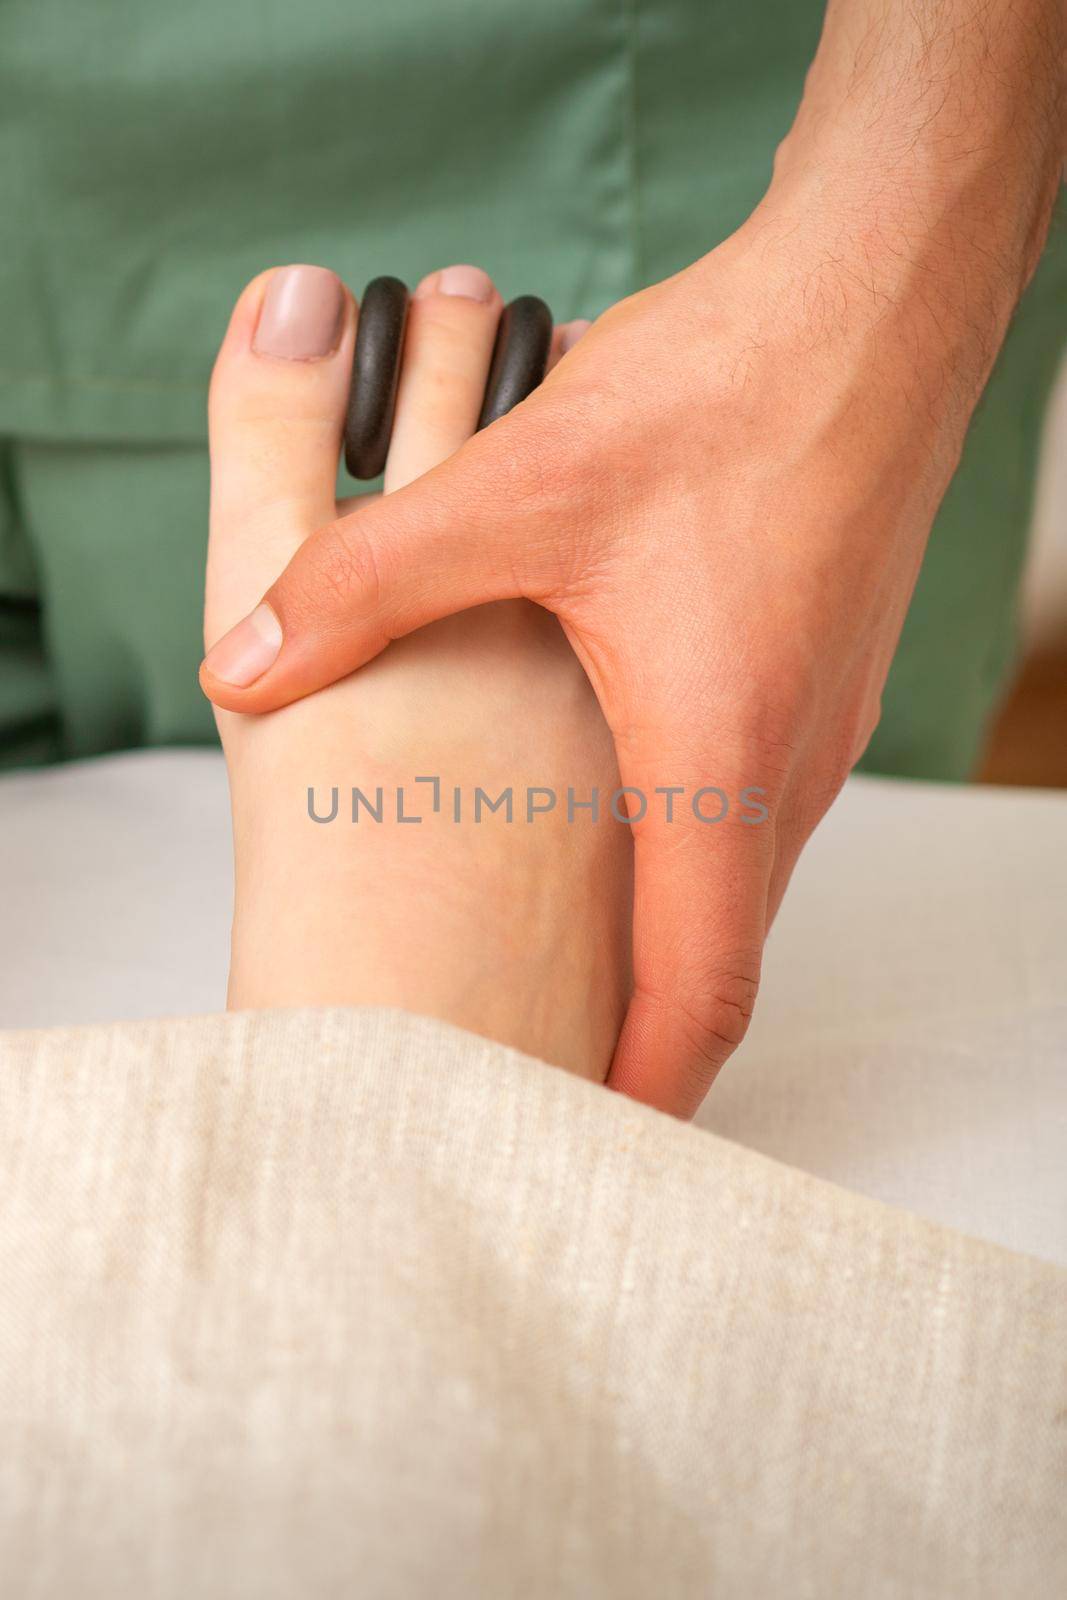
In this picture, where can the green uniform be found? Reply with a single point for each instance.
(156, 157)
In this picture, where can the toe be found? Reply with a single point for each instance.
(448, 345)
(276, 412)
(564, 337)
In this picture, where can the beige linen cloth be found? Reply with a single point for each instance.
(352, 1303)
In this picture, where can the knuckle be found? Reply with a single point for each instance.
(711, 1016)
(342, 567)
(549, 479)
(534, 477)
(867, 722)
(725, 1007)
(832, 764)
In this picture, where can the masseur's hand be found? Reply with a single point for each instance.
(724, 492)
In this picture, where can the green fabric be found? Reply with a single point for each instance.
(153, 158)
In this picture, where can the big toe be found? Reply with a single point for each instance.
(276, 411)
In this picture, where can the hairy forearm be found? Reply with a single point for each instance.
(958, 100)
(930, 144)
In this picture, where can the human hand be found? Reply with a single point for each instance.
(723, 493)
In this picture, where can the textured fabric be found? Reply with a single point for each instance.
(910, 1040)
(338, 1303)
(153, 158)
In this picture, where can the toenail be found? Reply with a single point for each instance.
(244, 654)
(471, 283)
(302, 314)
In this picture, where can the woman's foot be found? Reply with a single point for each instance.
(517, 929)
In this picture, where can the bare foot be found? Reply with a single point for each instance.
(514, 928)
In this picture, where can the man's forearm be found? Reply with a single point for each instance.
(962, 100)
(932, 133)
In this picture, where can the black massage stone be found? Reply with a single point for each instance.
(383, 315)
(520, 356)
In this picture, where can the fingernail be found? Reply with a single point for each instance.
(572, 333)
(302, 314)
(469, 282)
(244, 654)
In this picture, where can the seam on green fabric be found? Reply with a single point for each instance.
(121, 385)
(631, 35)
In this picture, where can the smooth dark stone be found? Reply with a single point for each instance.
(383, 313)
(520, 356)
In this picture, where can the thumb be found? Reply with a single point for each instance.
(474, 529)
(702, 868)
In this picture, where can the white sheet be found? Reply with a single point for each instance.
(911, 1038)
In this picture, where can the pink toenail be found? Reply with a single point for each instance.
(302, 315)
(470, 283)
